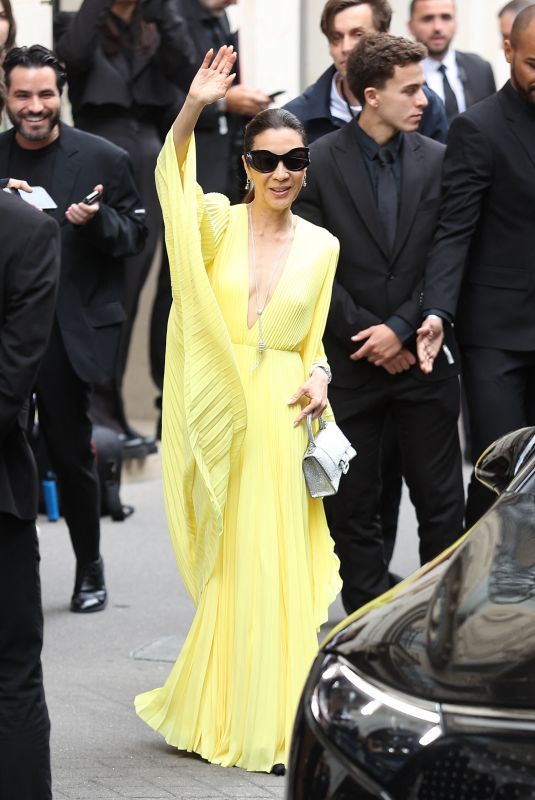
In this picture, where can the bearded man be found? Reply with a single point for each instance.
(95, 239)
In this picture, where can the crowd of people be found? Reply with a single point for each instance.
(378, 252)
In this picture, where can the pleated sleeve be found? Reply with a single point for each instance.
(204, 412)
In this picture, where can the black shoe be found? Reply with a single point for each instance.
(278, 769)
(89, 588)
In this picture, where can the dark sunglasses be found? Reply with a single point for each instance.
(266, 161)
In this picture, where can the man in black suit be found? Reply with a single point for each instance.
(460, 79)
(375, 185)
(481, 268)
(327, 105)
(29, 267)
(94, 241)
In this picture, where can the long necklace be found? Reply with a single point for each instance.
(261, 307)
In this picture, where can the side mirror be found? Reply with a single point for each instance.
(501, 461)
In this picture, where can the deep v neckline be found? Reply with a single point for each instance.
(283, 270)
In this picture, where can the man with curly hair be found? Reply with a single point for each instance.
(375, 184)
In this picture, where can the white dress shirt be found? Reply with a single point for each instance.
(339, 107)
(434, 77)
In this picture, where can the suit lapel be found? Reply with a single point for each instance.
(522, 120)
(355, 176)
(411, 190)
(464, 77)
(6, 141)
(65, 174)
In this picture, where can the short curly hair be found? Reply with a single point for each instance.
(373, 60)
(381, 13)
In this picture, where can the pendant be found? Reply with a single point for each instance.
(262, 346)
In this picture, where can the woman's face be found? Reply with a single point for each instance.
(4, 26)
(276, 190)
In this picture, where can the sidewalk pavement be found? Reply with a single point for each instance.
(95, 664)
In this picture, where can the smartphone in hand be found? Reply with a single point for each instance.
(92, 197)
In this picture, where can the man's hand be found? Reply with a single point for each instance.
(82, 213)
(15, 183)
(428, 343)
(400, 363)
(382, 345)
(316, 390)
(247, 102)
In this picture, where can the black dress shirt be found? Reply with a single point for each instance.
(369, 149)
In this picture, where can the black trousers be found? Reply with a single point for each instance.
(500, 390)
(63, 406)
(24, 722)
(424, 417)
(391, 488)
(142, 141)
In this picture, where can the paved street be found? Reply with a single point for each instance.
(95, 665)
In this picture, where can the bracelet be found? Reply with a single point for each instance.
(325, 367)
(434, 316)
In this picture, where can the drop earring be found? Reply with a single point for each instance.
(304, 181)
(248, 185)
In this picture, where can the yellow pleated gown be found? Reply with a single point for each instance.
(253, 549)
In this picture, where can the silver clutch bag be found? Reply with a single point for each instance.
(326, 458)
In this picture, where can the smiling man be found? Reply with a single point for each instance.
(375, 184)
(459, 79)
(482, 269)
(95, 239)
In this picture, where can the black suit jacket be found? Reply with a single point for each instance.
(29, 269)
(89, 308)
(372, 284)
(476, 77)
(483, 255)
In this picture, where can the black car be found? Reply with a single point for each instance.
(428, 693)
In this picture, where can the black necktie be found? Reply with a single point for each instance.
(387, 194)
(450, 101)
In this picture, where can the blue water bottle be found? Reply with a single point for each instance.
(50, 496)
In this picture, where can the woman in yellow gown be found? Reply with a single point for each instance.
(253, 549)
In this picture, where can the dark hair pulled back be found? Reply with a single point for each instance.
(268, 120)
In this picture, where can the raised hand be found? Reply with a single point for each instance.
(214, 78)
